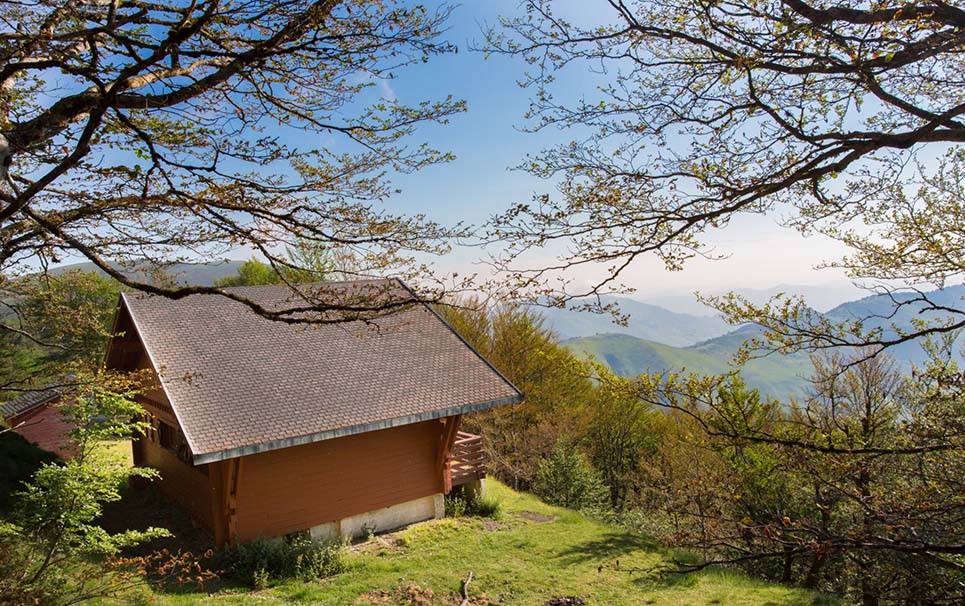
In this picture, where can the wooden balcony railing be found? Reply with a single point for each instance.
(468, 462)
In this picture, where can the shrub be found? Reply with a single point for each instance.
(566, 479)
(485, 507)
(459, 504)
(260, 579)
(258, 562)
(455, 505)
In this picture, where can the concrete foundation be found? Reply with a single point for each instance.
(382, 520)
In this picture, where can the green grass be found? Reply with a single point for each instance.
(534, 552)
(115, 452)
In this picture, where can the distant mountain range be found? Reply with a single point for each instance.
(879, 312)
(645, 322)
(820, 297)
(630, 356)
(631, 353)
(681, 320)
(198, 274)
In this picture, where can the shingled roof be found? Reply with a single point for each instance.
(28, 400)
(240, 383)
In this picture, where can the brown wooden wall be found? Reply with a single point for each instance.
(296, 488)
(185, 485)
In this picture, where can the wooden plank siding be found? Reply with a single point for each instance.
(188, 487)
(296, 488)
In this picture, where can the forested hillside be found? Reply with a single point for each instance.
(775, 375)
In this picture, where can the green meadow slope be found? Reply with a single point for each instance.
(629, 356)
(532, 554)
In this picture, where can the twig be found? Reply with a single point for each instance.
(465, 590)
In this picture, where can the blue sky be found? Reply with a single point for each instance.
(487, 142)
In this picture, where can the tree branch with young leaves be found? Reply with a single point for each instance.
(828, 114)
(138, 134)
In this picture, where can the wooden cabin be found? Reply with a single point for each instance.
(262, 428)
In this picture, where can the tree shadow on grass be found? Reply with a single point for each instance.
(142, 506)
(607, 547)
(614, 552)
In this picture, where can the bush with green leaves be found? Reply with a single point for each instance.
(51, 543)
(459, 504)
(455, 505)
(486, 507)
(258, 563)
(566, 479)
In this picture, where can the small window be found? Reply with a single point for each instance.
(165, 435)
(170, 438)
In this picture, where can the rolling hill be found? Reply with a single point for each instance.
(646, 322)
(629, 356)
(635, 353)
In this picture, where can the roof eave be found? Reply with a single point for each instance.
(231, 453)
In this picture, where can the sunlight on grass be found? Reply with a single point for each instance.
(534, 553)
(115, 452)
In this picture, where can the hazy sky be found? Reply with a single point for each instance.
(487, 142)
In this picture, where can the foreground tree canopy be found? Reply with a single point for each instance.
(842, 117)
(143, 133)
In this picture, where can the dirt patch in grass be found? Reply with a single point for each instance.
(406, 595)
(539, 518)
(494, 526)
(380, 544)
(414, 595)
(566, 600)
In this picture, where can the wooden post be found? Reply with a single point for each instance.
(234, 482)
(445, 450)
(219, 517)
(225, 478)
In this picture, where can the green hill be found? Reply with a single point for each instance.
(629, 356)
(533, 555)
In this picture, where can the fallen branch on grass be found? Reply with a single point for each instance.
(465, 590)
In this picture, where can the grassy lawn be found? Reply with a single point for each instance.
(533, 554)
(115, 451)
